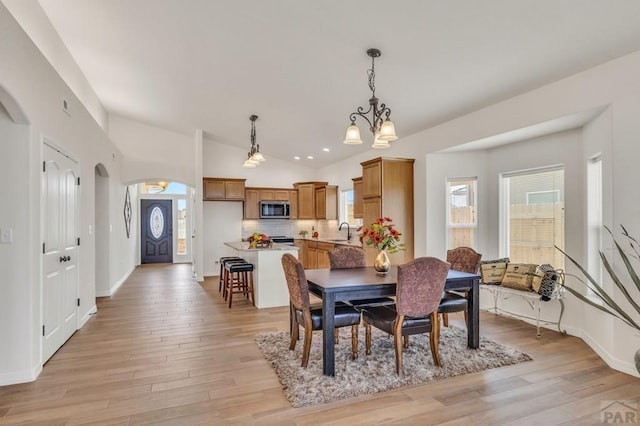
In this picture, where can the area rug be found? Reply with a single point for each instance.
(376, 372)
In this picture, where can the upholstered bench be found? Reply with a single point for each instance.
(535, 284)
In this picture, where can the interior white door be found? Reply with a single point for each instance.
(60, 250)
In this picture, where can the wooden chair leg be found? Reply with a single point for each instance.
(406, 342)
(336, 336)
(295, 330)
(434, 339)
(445, 320)
(308, 333)
(354, 342)
(367, 338)
(397, 343)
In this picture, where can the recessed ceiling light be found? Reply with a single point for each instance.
(310, 157)
(326, 149)
(296, 158)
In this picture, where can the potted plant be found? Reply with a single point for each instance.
(628, 288)
(303, 234)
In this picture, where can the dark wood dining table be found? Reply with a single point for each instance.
(333, 285)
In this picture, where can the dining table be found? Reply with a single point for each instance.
(333, 285)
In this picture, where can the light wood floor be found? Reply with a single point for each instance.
(167, 350)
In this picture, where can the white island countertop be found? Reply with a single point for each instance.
(269, 282)
(244, 246)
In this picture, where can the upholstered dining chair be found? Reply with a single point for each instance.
(418, 293)
(310, 318)
(343, 257)
(463, 259)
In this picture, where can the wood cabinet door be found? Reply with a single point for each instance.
(306, 201)
(214, 189)
(372, 211)
(312, 258)
(321, 203)
(281, 195)
(358, 201)
(251, 204)
(234, 190)
(323, 260)
(267, 195)
(293, 200)
(372, 180)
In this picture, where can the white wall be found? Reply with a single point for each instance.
(39, 91)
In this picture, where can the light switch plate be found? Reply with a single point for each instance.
(6, 235)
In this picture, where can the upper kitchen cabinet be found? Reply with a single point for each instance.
(307, 198)
(387, 186)
(221, 189)
(358, 199)
(326, 202)
(274, 194)
(251, 204)
(293, 199)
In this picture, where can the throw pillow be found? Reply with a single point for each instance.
(519, 276)
(548, 285)
(492, 271)
(537, 279)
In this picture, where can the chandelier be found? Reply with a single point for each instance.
(254, 156)
(380, 125)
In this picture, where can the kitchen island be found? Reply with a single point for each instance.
(270, 285)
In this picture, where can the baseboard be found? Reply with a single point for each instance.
(616, 364)
(87, 316)
(121, 281)
(20, 376)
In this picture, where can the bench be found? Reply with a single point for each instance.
(533, 299)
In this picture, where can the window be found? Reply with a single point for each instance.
(346, 208)
(462, 221)
(532, 219)
(594, 218)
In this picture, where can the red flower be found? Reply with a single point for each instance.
(382, 235)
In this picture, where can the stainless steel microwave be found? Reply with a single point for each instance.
(275, 210)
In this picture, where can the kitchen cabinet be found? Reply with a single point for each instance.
(387, 186)
(358, 199)
(317, 254)
(221, 189)
(293, 199)
(251, 204)
(307, 198)
(274, 194)
(326, 199)
(253, 196)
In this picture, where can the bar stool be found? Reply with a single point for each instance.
(239, 280)
(222, 260)
(226, 275)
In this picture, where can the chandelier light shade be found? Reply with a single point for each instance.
(380, 125)
(254, 156)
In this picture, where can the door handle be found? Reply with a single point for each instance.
(63, 259)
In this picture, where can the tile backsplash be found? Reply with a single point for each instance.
(327, 229)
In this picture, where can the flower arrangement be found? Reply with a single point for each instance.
(382, 235)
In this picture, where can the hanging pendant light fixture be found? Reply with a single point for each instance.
(381, 127)
(254, 156)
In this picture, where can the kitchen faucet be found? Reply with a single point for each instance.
(348, 230)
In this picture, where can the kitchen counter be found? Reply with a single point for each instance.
(244, 246)
(269, 283)
(354, 242)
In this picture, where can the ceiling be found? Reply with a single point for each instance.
(301, 65)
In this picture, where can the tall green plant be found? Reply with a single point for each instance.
(608, 305)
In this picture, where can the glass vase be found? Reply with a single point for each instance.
(382, 264)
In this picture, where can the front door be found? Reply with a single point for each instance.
(157, 231)
(60, 250)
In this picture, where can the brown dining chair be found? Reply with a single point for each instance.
(310, 318)
(418, 293)
(463, 259)
(343, 257)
